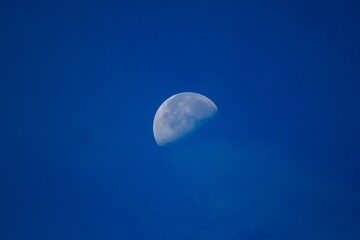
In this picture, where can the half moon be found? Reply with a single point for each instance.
(181, 114)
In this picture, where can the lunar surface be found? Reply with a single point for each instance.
(180, 115)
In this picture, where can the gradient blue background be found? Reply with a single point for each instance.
(80, 82)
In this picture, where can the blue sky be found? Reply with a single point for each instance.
(80, 82)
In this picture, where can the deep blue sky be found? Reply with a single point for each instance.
(80, 82)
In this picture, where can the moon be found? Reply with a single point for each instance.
(181, 114)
